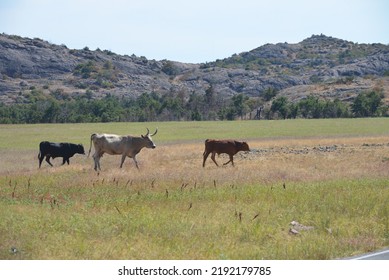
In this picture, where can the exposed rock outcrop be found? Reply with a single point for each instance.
(322, 65)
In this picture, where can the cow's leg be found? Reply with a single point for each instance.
(40, 157)
(48, 160)
(213, 158)
(96, 159)
(65, 160)
(97, 163)
(122, 161)
(205, 155)
(136, 163)
(231, 160)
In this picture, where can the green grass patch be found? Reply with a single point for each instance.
(28, 136)
(105, 220)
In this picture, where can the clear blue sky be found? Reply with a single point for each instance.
(193, 30)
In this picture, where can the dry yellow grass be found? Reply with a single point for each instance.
(296, 160)
(276, 160)
(271, 161)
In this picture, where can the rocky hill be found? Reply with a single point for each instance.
(319, 65)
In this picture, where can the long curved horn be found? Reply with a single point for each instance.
(156, 130)
(148, 132)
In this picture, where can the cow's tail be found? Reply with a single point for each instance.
(90, 145)
(205, 148)
(40, 149)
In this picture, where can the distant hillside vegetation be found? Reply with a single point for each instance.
(35, 74)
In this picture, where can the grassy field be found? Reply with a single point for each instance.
(330, 176)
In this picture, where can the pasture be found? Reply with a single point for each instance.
(330, 176)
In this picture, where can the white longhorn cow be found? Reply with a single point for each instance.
(127, 146)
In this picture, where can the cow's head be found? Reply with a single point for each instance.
(243, 146)
(147, 138)
(80, 149)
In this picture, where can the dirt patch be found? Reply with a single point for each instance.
(305, 150)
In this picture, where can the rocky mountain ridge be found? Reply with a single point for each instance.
(320, 65)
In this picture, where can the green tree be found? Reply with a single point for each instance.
(270, 93)
(85, 70)
(196, 106)
(239, 104)
(336, 109)
(169, 68)
(52, 112)
(369, 104)
(280, 106)
(311, 107)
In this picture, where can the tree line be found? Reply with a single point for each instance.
(366, 104)
(180, 106)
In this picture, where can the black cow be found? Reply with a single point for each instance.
(53, 150)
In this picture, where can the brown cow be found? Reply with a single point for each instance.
(230, 147)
